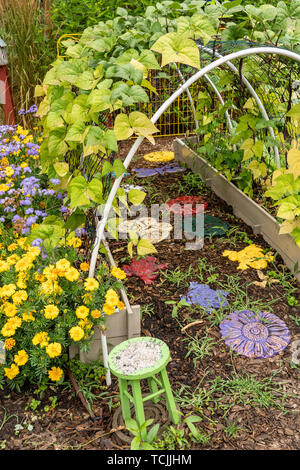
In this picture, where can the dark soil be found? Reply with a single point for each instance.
(273, 426)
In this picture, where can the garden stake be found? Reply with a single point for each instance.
(79, 393)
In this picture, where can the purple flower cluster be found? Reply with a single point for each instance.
(202, 294)
(31, 110)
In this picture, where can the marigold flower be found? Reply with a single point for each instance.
(76, 333)
(118, 273)
(108, 309)
(51, 312)
(82, 311)
(95, 314)
(8, 330)
(19, 297)
(55, 374)
(72, 274)
(120, 305)
(12, 371)
(21, 357)
(63, 265)
(9, 309)
(41, 339)
(28, 316)
(91, 284)
(7, 290)
(74, 242)
(84, 266)
(12, 247)
(53, 349)
(9, 344)
(4, 266)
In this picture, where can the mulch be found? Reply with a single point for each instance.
(68, 426)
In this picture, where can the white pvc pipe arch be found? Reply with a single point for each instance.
(220, 61)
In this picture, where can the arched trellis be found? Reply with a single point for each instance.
(182, 88)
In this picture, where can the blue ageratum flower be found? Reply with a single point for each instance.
(257, 335)
(202, 294)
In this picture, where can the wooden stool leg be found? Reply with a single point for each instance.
(153, 389)
(169, 397)
(138, 404)
(125, 402)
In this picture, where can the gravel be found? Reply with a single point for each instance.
(137, 356)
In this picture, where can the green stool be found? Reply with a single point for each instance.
(148, 373)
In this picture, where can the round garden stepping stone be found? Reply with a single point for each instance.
(257, 335)
(161, 156)
(147, 227)
(187, 205)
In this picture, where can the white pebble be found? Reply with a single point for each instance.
(138, 355)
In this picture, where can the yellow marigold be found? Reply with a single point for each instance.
(50, 273)
(53, 349)
(22, 242)
(55, 374)
(108, 309)
(9, 171)
(82, 311)
(4, 266)
(50, 288)
(63, 265)
(12, 371)
(9, 309)
(39, 277)
(12, 259)
(8, 330)
(118, 273)
(72, 274)
(84, 266)
(23, 265)
(15, 322)
(4, 187)
(95, 313)
(51, 312)
(28, 316)
(7, 290)
(120, 305)
(12, 247)
(76, 333)
(111, 298)
(91, 284)
(74, 242)
(21, 357)
(9, 343)
(20, 296)
(41, 339)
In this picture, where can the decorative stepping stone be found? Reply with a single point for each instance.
(250, 257)
(202, 294)
(161, 156)
(145, 172)
(145, 268)
(257, 335)
(147, 227)
(213, 226)
(186, 205)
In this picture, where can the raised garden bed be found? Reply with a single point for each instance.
(248, 210)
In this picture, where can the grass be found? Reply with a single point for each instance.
(222, 394)
(29, 47)
(178, 277)
(198, 348)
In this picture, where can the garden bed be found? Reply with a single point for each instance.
(243, 206)
(244, 403)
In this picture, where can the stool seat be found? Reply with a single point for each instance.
(146, 371)
(157, 385)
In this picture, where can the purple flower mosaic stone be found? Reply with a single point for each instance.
(162, 170)
(202, 294)
(257, 335)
